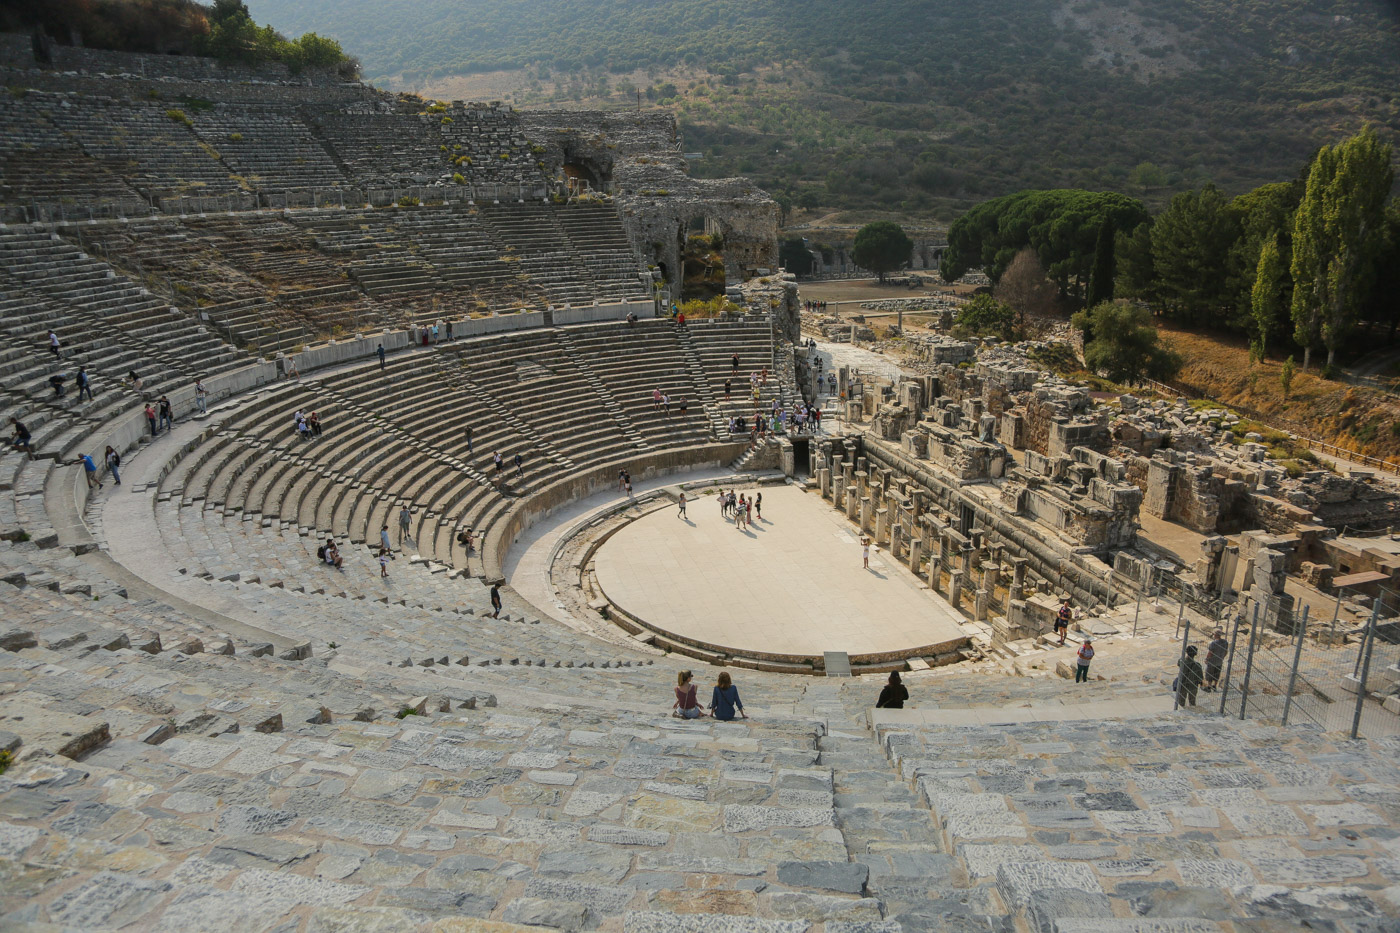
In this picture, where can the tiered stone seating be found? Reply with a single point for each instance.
(456, 243)
(39, 163)
(385, 148)
(532, 238)
(153, 152)
(715, 343)
(269, 150)
(596, 233)
(487, 147)
(91, 309)
(633, 361)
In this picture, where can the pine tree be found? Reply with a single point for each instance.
(1267, 298)
(1337, 231)
(1101, 278)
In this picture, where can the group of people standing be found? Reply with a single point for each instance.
(740, 507)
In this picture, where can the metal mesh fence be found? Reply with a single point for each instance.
(1270, 664)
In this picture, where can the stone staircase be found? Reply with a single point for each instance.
(610, 403)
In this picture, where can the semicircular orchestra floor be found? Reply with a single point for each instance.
(791, 584)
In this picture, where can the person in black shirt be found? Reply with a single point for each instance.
(894, 694)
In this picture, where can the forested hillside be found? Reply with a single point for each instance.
(923, 106)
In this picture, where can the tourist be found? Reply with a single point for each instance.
(680, 319)
(167, 414)
(201, 397)
(84, 385)
(666, 404)
(681, 513)
(469, 439)
(816, 420)
(495, 600)
(498, 461)
(20, 439)
(723, 504)
(56, 380)
(383, 562)
(1086, 654)
(733, 362)
(134, 379)
(331, 554)
(894, 694)
(405, 519)
(467, 539)
(1062, 620)
(739, 513)
(1215, 660)
(519, 464)
(290, 368)
(313, 421)
(1188, 678)
(726, 699)
(91, 470)
(865, 551)
(303, 428)
(726, 391)
(53, 344)
(681, 407)
(655, 399)
(113, 461)
(686, 705)
(758, 506)
(627, 486)
(621, 480)
(151, 419)
(379, 352)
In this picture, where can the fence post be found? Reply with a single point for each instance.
(1249, 662)
(1368, 641)
(1176, 694)
(1297, 656)
(1181, 613)
(1230, 661)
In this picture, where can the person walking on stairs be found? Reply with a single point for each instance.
(495, 600)
(84, 384)
(53, 345)
(519, 464)
(379, 352)
(469, 438)
(384, 539)
(1215, 660)
(1188, 678)
(1062, 621)
(1085, 655)
(383, 562)
(405, 519)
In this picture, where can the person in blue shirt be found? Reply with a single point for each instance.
(91, 469)
(725, 699)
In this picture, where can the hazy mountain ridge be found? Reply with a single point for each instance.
(924, 105)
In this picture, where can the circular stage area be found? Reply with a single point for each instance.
(785, 591)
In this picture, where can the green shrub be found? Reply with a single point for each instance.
(409, 200)
(235, 137)
(457, 177)
(7, 758)
(179, 117)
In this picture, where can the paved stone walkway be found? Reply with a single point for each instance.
(790, 584)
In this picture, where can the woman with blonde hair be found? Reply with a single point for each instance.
(686, 705)
(725, 699)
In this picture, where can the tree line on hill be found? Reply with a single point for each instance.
(1298, 264)
(224, 30)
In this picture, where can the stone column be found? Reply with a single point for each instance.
(915, 552)
(990, 574)
(955, 587)
(896, 541)
(1016, 590)
(979, 605)
(865, 515)
(824, 478)
(967, 553)
(838, 492)
(862, 483)
(852, 503)
(935, 571)
(882, 527)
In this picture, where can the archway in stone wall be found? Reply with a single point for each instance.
(581, 175)
(704, 268)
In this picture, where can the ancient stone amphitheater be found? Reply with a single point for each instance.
(210, 730)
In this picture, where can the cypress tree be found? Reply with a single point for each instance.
(1101, 278)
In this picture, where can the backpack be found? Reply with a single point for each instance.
(321, 552)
